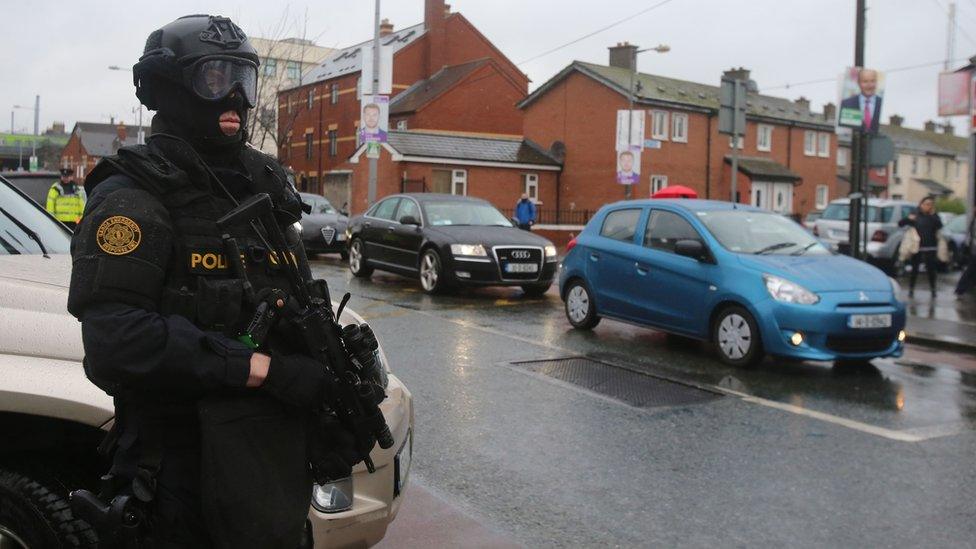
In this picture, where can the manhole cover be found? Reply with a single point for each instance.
(636, 389)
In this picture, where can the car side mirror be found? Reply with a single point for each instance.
(514, 220)
(409, 220)
(690, 248)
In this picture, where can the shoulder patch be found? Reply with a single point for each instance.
(118, 235)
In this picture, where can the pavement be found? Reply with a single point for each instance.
(945, 322)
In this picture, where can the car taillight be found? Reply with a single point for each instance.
(571, 245)
(816, 231)
(879, 236)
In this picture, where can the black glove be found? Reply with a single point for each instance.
(332, 449)
(298, 380)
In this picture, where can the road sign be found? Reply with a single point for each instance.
(732, 107)
(652, 144)
(881, 151)
(33, 163)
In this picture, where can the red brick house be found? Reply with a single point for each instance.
(90, 141)
(787, 157)
(448, 79)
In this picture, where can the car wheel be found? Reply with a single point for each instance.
(34, 512)
(580, 307)
(736, 335)
(357, 260)
(432, 278)
(536, 290)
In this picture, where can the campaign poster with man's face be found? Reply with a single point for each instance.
(861, 96)
(628, 167)
(374, 121)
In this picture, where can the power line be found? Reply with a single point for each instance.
(886, 71)
(598, 31)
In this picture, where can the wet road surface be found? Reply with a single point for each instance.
(688, 451)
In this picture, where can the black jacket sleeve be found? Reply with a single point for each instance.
(129, 346)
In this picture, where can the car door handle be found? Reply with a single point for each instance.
(367, 224)
(391, 228)
(641, 269)
(594, 257)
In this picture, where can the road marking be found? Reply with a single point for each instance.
(908, 435)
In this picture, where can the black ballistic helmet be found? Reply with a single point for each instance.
(207, 55)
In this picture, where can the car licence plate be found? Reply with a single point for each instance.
(869, 321)
(521, 268)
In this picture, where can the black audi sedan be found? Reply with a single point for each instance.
(324, 228)
(448, 241)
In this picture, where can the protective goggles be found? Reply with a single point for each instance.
(214, 78)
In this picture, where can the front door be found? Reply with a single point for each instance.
(775, 197)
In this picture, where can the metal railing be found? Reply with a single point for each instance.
(552, 216)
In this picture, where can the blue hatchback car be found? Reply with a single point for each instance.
(751, 281)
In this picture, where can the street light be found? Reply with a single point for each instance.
(140, 135)
(661, 48)
(37, 110)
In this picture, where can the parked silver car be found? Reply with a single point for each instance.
(883, 217)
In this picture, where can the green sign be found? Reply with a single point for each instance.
(33, 163)
(851, 117)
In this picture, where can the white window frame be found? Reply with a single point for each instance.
(270, 67)
(293, 67)
(459, 176)
(659, 131)
(658, 182)
(841, 156)
(809, 143)
(823, 144)
(764, 145)
(531, 186)
(334, 94)
(821, 204)
(401, 124)
(679, 136)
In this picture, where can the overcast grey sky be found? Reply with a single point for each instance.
(61, 50)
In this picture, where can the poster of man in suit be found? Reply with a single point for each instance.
(862, 93)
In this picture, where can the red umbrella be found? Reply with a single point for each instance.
(675, 191)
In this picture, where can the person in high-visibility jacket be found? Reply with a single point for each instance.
(66, 200)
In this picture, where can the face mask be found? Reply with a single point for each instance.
(197, 120)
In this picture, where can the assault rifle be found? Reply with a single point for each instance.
(356, 398)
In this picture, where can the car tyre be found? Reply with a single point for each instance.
(433, 280)
(35, 512)
(737, 338)
(580, 307)
(357, 259)
(536, 290)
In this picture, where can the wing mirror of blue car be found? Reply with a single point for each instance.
(690, 248)
(409, 220)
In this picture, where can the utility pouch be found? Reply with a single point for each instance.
(255, 481)
(219, 303)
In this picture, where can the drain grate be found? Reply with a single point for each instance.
(633, 388)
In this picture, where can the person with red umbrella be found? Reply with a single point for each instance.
(676, 191)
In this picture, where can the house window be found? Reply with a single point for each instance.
(764, 138)
(658, 182)
(741, 140)
(311, 98)
(308, 146)
(679, 128)
(810, 143)
(958, 164)
(841, 157)
(401, 124)
(288, 103)
(459, 182)
(823, 144)
(333, 142)
(928, 166)
(334, 94)
(914, 165)
(945, 164)
(659, 124)
(531, 186)
(894, 165)
(270, 66)
(822, 196)
(291, 70)
(897, 197)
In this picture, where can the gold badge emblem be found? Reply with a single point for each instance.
(118, 235)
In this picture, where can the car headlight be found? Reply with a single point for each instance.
(384, 368)
(468, 249)
(789, 292)
(895, 286)
(551, 251)
(333, 497)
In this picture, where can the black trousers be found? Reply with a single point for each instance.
(968, 278)
(931, 261)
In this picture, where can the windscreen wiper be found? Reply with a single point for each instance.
(28, 231)
(804, 249)
(774, 247)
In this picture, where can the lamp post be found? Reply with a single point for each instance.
(662, 48)
(37, 109)
(140, 135)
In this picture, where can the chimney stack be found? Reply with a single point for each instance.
(930, 126)
(896, 120)
(623, 56)
(803, 103)
(435, 12)
(830, 111)
(121, 132)
(737, 74)
(948, 129)
(386, 28)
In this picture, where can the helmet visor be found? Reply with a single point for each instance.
(214, 79)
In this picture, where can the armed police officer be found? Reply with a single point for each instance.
(212, 438)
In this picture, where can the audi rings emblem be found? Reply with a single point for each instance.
(521, 254)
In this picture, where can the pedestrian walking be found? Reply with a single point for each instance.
(968, 278)
(926, 224)
(217, 438)
(66, 200)
(525, 212)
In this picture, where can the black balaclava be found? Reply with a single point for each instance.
(197, 121)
